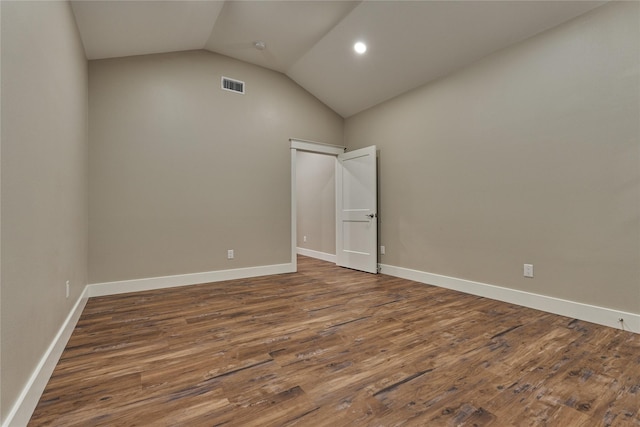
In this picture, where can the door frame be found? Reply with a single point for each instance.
(310, 147)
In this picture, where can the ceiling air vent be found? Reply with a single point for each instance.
(232, 85)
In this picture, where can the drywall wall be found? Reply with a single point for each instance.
(181, 170)
(44, 204)
(316, 202)
(531, 155)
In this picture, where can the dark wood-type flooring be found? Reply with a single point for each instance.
(333, 347)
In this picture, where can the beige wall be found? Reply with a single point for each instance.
(44, 182)
(181, 171)
(316, 202)
(529, 156)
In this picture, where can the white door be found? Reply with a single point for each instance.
(357, 218)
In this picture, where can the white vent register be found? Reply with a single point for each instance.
(232, 85)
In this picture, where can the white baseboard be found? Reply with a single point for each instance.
(148, 284)
(28, 399)
(576, 310)
(316, 254)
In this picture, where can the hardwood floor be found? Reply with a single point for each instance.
(333, 347)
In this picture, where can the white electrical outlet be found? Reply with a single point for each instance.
(230, 254)
(304, 239)
(381, 250)
(528, 270)
(67, 288)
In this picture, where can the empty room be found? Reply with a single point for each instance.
(319, 213)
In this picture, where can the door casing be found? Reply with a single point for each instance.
(311, 147)
(320, 148)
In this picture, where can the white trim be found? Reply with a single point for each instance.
(317, 254)
(22, 410)
(151, 283)
(590, 313)
(312, 147)
(26, 403)
(316, 147)
(294, 207)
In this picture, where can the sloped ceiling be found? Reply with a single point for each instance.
(409, 42)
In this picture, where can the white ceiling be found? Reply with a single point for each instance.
(409, 42)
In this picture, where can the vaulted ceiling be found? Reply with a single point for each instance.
(409, 42)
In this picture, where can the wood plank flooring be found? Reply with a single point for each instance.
(333, 347)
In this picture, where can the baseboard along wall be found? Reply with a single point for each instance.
(28, 399)
(317, 254)
(148, 284)
(24, 407)
(22, 410)
(576, 310)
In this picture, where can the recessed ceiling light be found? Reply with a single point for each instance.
(360, 47)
